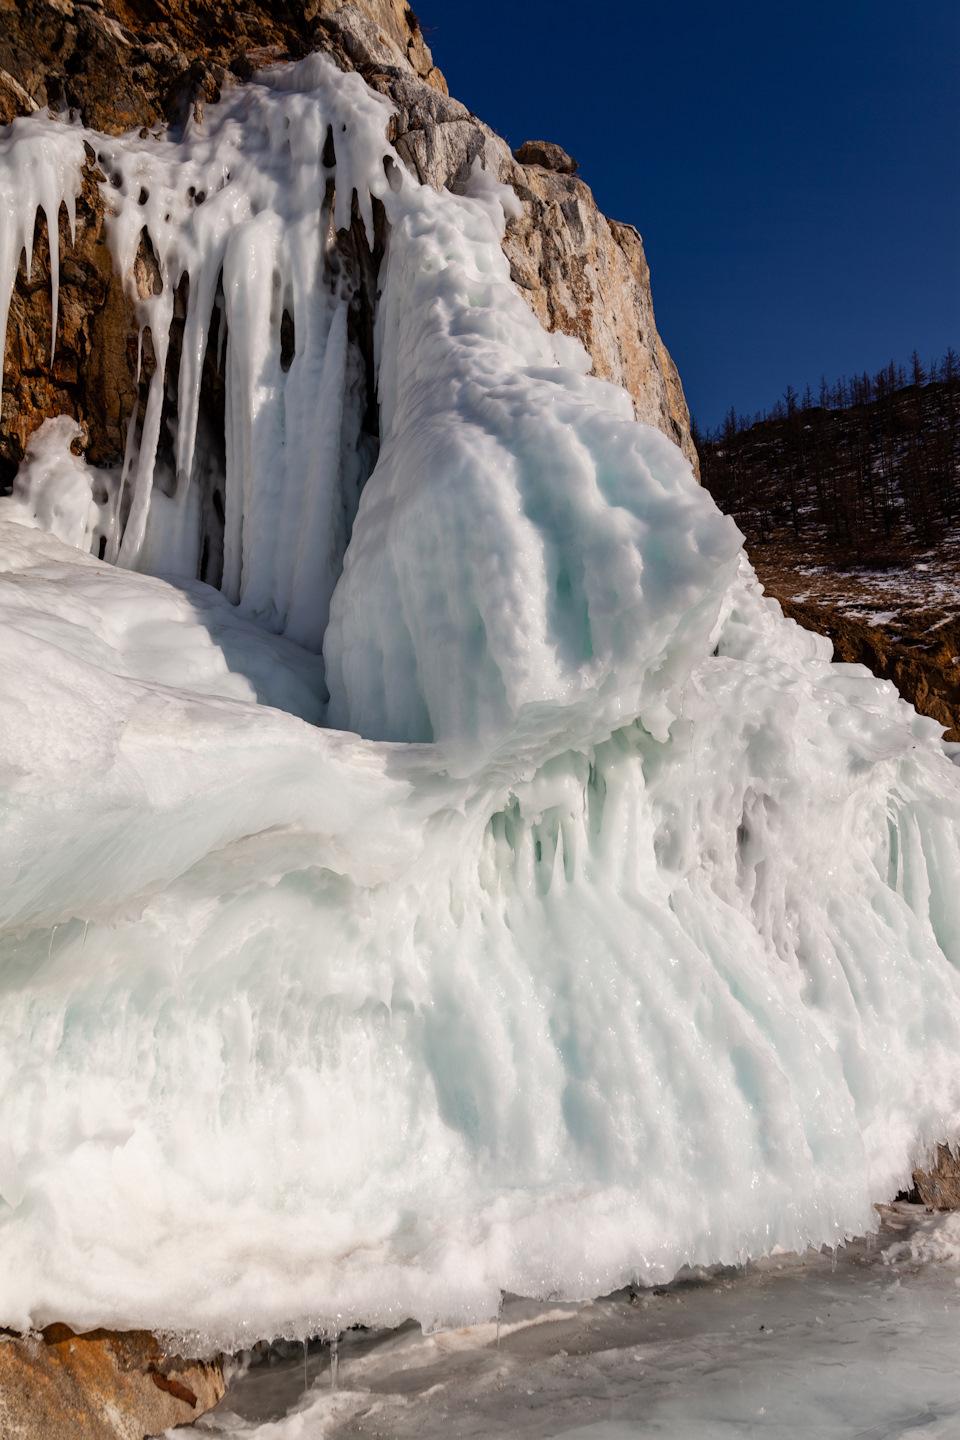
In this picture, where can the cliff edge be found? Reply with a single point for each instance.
(123, 64)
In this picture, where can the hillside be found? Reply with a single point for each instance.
(849, 506)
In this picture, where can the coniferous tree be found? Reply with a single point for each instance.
(872, 463)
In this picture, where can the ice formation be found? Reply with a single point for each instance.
(604, 926)
(857, 1345)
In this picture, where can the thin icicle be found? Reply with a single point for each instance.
(132, 542)
(129, 456)
(200, 308)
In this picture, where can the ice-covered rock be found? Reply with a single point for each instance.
(583, 275)
(606, 934)
(55, 490)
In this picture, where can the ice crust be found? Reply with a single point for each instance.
(860, 1345)
(623, 932)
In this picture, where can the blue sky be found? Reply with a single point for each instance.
(794, 170)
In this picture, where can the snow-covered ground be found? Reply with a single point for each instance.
(920, 595)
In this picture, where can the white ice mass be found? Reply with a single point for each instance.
(601, 925)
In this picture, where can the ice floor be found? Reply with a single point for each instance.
(863, 1346)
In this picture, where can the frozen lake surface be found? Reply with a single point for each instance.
(861, 1346)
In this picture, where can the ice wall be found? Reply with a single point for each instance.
(622, 933)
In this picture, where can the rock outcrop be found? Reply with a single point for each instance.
(581, 273)
(128, 63)
(939, 1187)
(588, 276)
(547, 155)
(99, 1386)
(119, 66)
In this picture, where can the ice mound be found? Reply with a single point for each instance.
(624, 933)
(55, 490)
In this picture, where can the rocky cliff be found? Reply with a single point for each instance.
(121, 64)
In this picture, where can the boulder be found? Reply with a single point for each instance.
(100, 1386)
(547, 155)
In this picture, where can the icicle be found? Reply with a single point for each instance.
(246, 196)
(221, 333)
(136, 525)
(115, 532)
(233, 504)
(41, 167)
(334, 1361)
(200, 308)
(53, 238)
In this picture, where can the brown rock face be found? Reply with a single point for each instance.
(99, 1386)
(940, 1187)
(125, 63)
(94, 365)
(547, 155)
(588, 277)
(580, 273)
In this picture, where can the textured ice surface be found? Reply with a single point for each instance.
(861, 1346)
(622, 935)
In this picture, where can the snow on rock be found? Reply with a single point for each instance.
(55, 490)
(621, 934)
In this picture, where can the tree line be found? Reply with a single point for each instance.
(869, 465)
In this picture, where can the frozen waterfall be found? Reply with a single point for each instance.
(604, 926)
